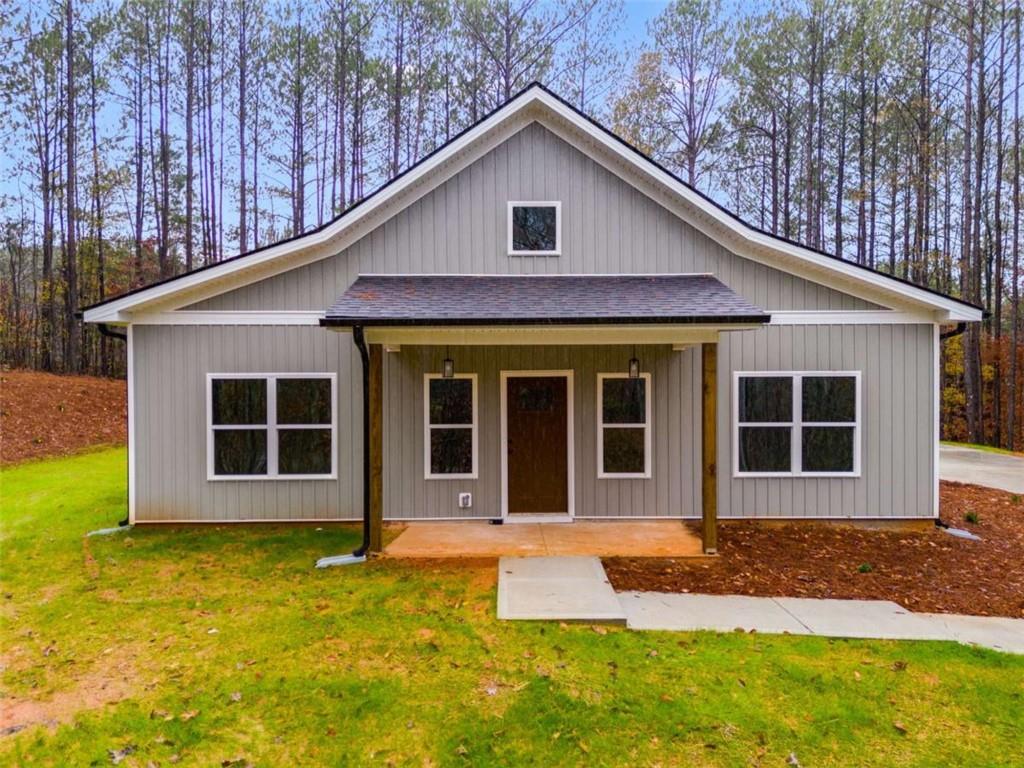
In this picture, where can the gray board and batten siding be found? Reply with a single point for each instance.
(171, 363)
(608, 227)
(460, 227)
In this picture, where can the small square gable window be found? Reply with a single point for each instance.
(534, 229)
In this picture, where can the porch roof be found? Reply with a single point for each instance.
(511, 300)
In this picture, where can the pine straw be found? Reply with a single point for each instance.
(46, 415)
(922, 571)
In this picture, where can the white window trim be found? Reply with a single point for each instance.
(796, 424)
(271, 426)
(601, 427)
(427, 426)
(557, 205)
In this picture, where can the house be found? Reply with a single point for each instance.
(535, 322)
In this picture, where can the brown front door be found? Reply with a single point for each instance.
(538, 464)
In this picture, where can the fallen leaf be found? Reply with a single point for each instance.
(117, 755)
(236, 696)
(186, 716)
(900, 727)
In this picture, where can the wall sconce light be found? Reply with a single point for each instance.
(447, 367)
(634, 366)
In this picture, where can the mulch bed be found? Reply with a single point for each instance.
(922, 571)
(42, 414)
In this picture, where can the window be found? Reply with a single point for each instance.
(789, 424)
(267, 426)
(534, 229)
(623, 425)
(450, 442)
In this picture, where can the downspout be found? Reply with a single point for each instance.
(954, 332)
(359, 555)
(106, 330)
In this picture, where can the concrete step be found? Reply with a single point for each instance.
(557, 589)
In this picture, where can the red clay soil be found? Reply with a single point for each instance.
(46, 415)
(928, 571)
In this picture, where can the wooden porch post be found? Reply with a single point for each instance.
(376, 406)
(709, 447)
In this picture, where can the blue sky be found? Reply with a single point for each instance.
(638, 12)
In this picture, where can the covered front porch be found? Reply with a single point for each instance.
(546, 414)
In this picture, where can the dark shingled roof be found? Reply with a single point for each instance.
(539, 299)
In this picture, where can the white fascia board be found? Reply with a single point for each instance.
(854, 317)
(322, 243)
(752, 237)
(118, 311)
(228, 317)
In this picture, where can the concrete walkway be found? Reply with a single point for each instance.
(994, 470)
(577, 589)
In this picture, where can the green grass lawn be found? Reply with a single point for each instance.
(210, 644)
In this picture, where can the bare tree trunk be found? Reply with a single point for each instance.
(841, 178)
(190, 145)
(74, 348)
(243, 56)
(97, 209)
(1011, 415)
(966, 265)
(997, 242)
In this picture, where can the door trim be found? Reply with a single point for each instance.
(570, 445)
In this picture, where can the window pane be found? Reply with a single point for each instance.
(765, 449)
(766, 398)
(827, 449)
(534, 228)
(240, 452)
(624, 450)
(303, 401)
(451, 451)
(830, 398)
(451, 401)
(304, 451)
(623, 401)
(239, 401)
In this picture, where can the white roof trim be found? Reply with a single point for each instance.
(231, 272)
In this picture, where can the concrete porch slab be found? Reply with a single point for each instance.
(611, 538)
(556, 588)
(722, 613)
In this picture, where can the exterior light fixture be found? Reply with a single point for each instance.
(447, 367)
(634, 366)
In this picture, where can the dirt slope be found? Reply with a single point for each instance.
(46, 415)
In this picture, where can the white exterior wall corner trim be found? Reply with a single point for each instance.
(132, 461)
(533, 104)
(937, 418)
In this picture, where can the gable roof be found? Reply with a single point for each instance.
(711, 217)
